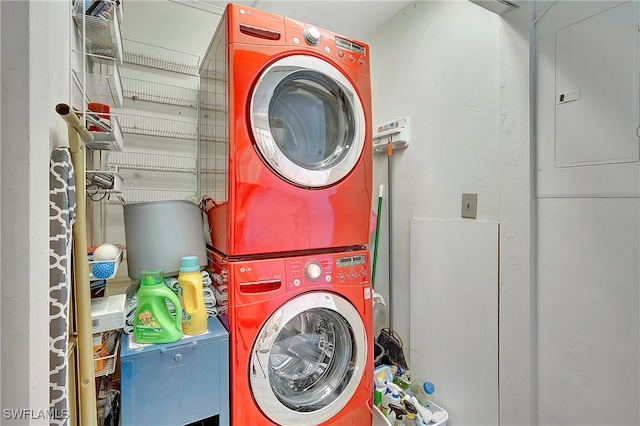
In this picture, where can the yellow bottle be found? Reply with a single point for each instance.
(194, 314)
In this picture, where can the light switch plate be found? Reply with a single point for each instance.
(469, 205)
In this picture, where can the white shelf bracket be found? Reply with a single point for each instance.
(395, 132)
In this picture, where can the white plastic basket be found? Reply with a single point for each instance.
(379, 418)
(434, 407)
(112, 263)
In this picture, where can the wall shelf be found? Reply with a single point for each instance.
(100, 182)
(152, 162)
(108, 363)
(102, 35)
(109, 141)
(148, 55)
(142, 90)
(158, 126)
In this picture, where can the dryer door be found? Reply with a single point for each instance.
(307, 121)
(308, 359)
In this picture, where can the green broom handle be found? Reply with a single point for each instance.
(375, 245)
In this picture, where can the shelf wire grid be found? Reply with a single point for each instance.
(100, 88)
(142, 90)
(158, 126)
(151, 162)
(143, 195)
(148, 55)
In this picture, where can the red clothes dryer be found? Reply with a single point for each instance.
(285, 160)
(300, 332)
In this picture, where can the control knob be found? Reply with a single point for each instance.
(312, 270)
(311, 35)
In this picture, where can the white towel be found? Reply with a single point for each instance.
(222, 294)
(217, 278)
(172, 283)
(206, 279)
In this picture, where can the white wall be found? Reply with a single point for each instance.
(34, 60)
(170, 25)
(569, 267)
(437, 63)
(588, 299)
(517, 223)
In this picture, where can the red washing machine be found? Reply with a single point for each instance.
(300, 331)
(285, 155)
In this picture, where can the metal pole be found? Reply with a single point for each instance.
(390, 208)
(82, 293)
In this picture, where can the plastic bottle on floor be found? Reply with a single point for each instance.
(422, 390)
(194, 313)
(153, 322)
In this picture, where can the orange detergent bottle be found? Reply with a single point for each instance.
(194, 314)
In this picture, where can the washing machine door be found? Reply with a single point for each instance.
(307, 121)
(308, 359)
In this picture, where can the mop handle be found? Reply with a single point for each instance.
(375, 245)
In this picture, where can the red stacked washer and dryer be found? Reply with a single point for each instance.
(286, 174)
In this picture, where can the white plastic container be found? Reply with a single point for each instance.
(435, 408)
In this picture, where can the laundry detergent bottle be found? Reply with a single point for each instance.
(153, 321)
(194, 313)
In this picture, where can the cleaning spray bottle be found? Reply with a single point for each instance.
(194, 313)
(396, 415)
(153, 322)
(410, 417)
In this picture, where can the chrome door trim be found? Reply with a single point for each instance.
(259, 361)
(259, 116)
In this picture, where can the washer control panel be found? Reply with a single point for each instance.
(350, 268)
(342, 269)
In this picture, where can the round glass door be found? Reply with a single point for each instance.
(307, 121)
(308, 359)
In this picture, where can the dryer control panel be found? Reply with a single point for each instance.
(349, 53)
(257, 27)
